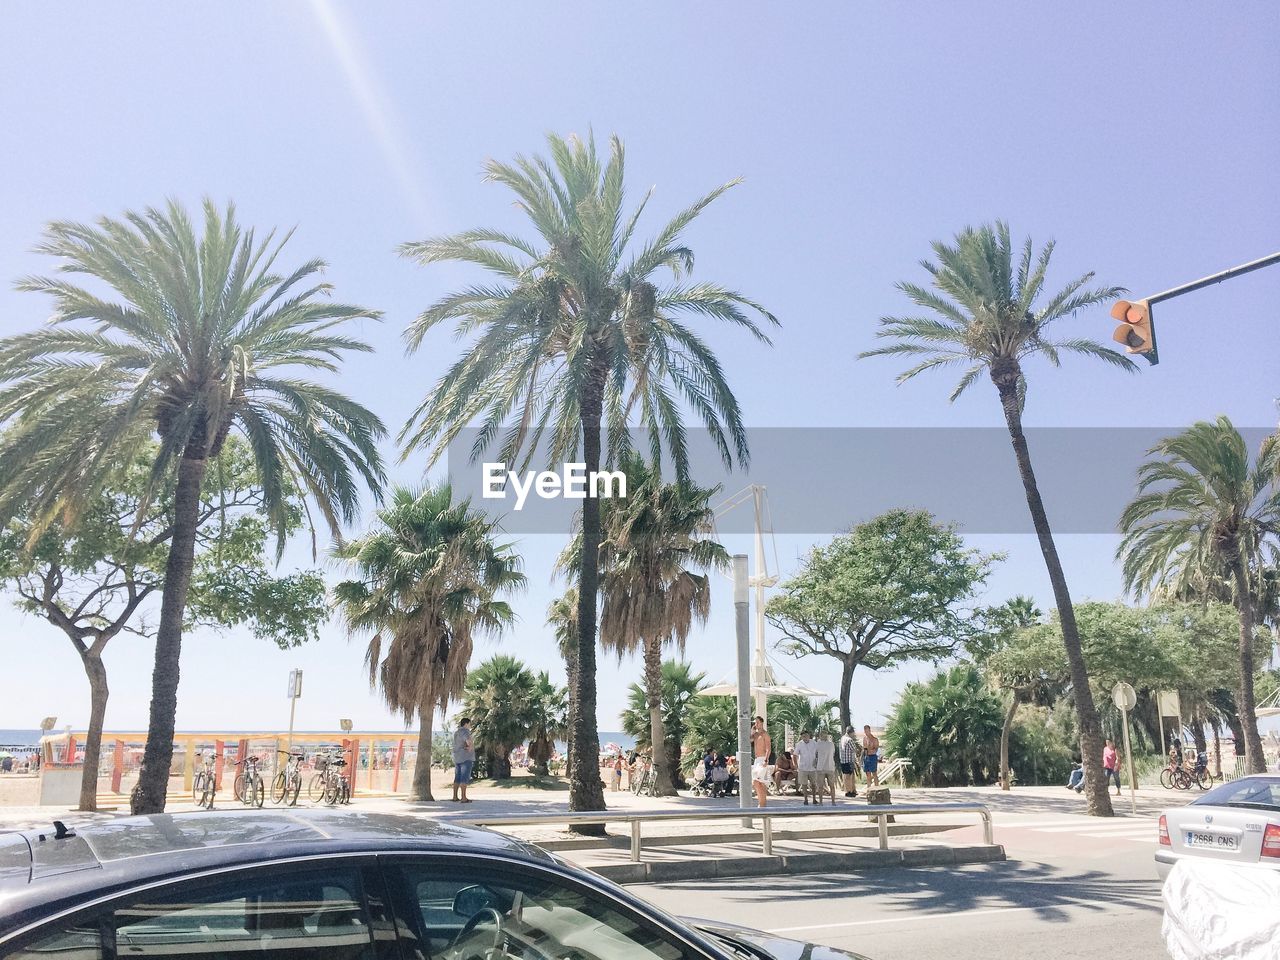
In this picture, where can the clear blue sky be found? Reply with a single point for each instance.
(1143, 137)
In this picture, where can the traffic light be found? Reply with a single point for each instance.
(1136, 331)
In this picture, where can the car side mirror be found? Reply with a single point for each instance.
(469, 901)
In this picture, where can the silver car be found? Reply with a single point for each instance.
(1237, 822)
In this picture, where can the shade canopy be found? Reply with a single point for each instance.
(726, 689)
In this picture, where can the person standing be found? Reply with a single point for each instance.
(617, 773)
(464, 759)
(870, 756)
(760, 779)
(761, 742)
(806, 752)
(826, 767)
(1110, 766)
(849, 761)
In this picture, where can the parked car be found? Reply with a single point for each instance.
(1236, 823)
(335, 885)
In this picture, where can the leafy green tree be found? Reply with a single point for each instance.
(428, 580)
(1041, 748)
(1024, 680)
(500, 698)
(892, 590)
(655, 539)
(575, 335)
(93, 580)
(548, 720)
(948, 728)
(1205, 508)
(680, 687)
(986, 311)
(186, 335)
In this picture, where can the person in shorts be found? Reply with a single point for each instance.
(464, 759)
(870, 756)
(826, 767)
(806, 754)
(848, 757)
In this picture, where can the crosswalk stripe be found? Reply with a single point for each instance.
(1121, 826)
(1081, 821)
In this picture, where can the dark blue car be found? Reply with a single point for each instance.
(340, 885)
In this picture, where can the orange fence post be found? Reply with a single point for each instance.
(71, 749)
(219, 757)
(117, 766)
(373, 761)
(395, 777)
(355, 763)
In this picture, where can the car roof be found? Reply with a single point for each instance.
(38, 869)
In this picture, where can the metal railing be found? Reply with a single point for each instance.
(767, 815)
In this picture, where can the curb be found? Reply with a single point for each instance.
(666, 871)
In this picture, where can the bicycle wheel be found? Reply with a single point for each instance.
(1181, 780)
(206, 796)
(330, 792)
(197, 788)
(293, 789)
(317, 787)
(237, 787)
(1166, 778)
(258, 791)
(279, 787)
(1204, 780)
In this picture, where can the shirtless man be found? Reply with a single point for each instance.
(761, 744)
(870, 755)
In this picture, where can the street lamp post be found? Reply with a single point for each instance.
(742, 621)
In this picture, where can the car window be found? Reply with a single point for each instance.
(524, 917)
(1263, 792)
(284, 916)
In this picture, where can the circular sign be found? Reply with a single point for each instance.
(1123, 697)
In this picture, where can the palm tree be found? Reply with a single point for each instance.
(1025, 682)
(548, 712)
(653, 540)
(427, 582)
(575, 334)
(500, 698)
(562, 618)
(800, 714)
(945, 727)
(186, 335)
(680, 686)
(987, 314)
(1203, 513)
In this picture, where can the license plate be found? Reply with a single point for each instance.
(1213, 841)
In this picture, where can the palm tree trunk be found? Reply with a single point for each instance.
(1004, 743)
(426, 751)
(847, 665)
(586, 790)
(153, 780)
(664, 785)
(1254, 761)
(1098, 801)
(96, 671)
(571, 712)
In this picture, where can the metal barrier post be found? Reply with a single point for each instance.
(988, 836)
(767, 826)
(882, 824)
(635, 841)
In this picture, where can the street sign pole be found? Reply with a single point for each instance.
(1126, 699)
(295, 692)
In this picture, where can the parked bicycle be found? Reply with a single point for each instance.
(249, 788)
(205, 783)
(288, 782)
(643, 778)
(337, 788)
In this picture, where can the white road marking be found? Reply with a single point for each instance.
(1118, 826)
(918, 917)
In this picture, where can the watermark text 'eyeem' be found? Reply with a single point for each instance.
(573, 482)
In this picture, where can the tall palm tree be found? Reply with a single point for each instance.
(1203, 513)
(428, 579)
(562, 617)
(986, 312)
(575, 334)
(653, 542)
(680, 687)
(187, 333)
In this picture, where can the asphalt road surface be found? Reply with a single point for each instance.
(1073, 887)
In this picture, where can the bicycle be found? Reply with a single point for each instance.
(337, 786)
(249, 788)
(316, 785)
(288, 782)
(205, 784)
(644, 785)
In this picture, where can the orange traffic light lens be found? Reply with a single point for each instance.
(1135, 313)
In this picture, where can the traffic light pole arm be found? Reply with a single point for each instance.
(1215, 278)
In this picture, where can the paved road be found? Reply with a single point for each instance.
(1074, 887)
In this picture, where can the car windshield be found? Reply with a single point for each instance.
(1261, 793)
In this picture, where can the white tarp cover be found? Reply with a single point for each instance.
(1217, 911)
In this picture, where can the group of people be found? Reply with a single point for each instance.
(813, 763)
(1110, 770)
